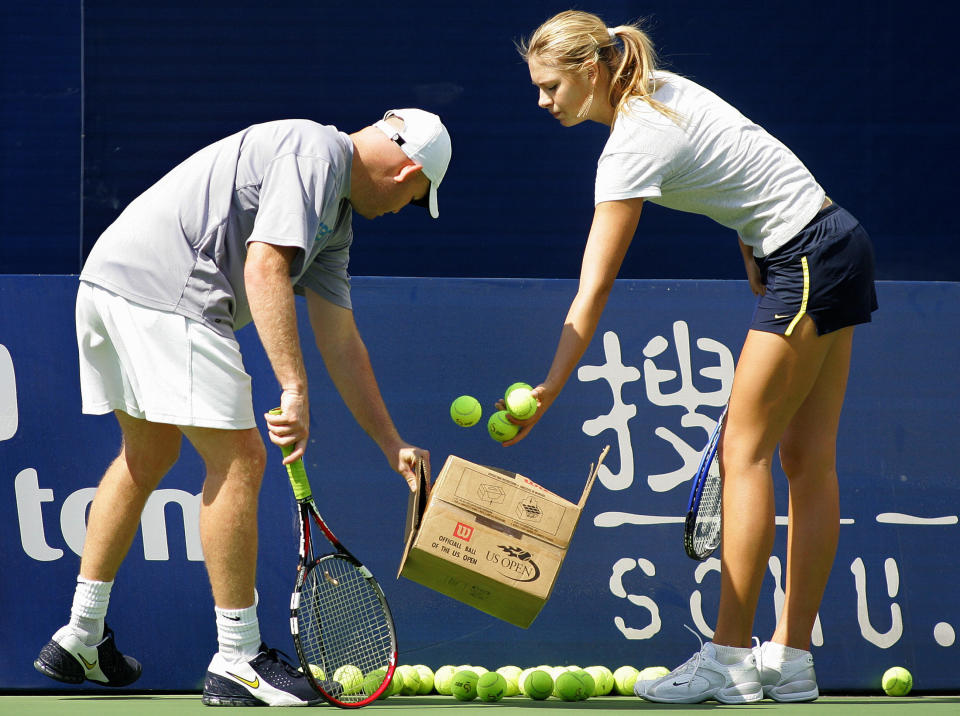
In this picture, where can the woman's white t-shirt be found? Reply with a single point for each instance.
(711, 160)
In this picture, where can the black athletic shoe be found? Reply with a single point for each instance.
(66, 658)
(265, 680)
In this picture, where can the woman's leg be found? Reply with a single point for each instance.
(775, 376)
(808, 452)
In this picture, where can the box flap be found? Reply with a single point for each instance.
(416, 506)
(594, 469)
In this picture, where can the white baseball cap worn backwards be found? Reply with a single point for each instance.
(425, 140)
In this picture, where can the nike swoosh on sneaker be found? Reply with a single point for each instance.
(86, 663)
(255, 684)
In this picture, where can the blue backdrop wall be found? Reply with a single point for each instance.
(651, 386)
(101, 97)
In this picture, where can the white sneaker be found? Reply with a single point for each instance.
(786, 681)
(702, 677)
(264, 680)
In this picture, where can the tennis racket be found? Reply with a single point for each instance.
(701, 529)
(341, 625)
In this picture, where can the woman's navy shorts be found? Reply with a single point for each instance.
(825, 272)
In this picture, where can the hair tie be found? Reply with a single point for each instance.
(612, 33)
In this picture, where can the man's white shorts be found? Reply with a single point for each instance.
(158, 366)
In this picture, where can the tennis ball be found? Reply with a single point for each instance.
(478, 670)
(512, 676)
(426, 679)
(466, 411)
(514, 386)
(624, 678)
(491, 686)
(372, 682)
(569, 687)
(350, 677)
(538, 685)
(317, 671)
(464, 686)
(602, 679)
(897, 681)
(589, 685)
(521, 404)
(522, 678)
(443, 679)
(652, 673)
(396, 683)
(500, 428)
(411, 681)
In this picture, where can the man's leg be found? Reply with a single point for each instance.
(243, 672)
(84, 649)
(148, 452)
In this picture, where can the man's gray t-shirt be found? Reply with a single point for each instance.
(181, 245)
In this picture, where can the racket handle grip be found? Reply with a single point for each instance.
(295, 471)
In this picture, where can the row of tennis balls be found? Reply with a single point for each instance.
(466, 412)
(569, 683)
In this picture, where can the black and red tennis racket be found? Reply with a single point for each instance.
(340, 621)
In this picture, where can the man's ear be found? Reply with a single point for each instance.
(408, 170)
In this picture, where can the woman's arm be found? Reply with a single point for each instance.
(614, 224)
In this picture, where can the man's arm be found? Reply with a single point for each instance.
(348, 364)
(270, 295)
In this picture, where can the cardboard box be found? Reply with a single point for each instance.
(490, 538)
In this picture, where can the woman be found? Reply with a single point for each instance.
(677, 144)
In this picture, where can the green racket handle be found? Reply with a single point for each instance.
(295, 471)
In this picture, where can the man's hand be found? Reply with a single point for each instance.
(406, 462)
(291, 427)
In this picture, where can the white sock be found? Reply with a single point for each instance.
(90, 601)
(238, 632)
(730, 654)
(780, 653)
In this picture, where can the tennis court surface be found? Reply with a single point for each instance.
(149, 704)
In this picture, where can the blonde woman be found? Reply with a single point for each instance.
(677, 144)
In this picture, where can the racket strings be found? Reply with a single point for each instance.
(706, 534)
(343, 622)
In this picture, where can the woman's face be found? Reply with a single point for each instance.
(562, 94)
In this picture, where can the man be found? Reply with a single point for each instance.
(226, 238)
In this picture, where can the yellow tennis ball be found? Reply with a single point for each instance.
(602, 679)
(372, 682)
(350, 678)
(538, 685)
(426, 678)
(652, 673)
(521, 404)
(411, 680)
(589, 685)
(443, 679)
(500, 428)
(466, 411)
(624, 678)
(491, 686)
(569, 687)
(317, 672)
(512, 676)
(897, 681)
(514, 386)
(464, 686)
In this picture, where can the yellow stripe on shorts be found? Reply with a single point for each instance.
(803, 301)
